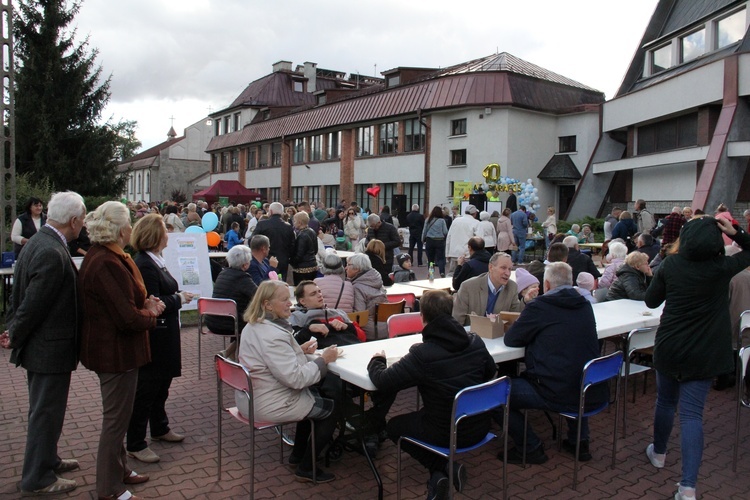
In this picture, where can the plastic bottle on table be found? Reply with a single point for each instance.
(431, 271)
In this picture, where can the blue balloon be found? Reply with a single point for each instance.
(195, 229)
(209, 221)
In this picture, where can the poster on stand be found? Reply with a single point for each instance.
(187, 260)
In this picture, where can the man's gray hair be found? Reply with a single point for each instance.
(259, 242)
(64, 206)
(570, 241)
(276, 208)
(676, 210)
(359, 261)
(238, 256)
(332, 265)
(191, 207)
(373, 219)
(558, 274)
(746, 212)
(497, 256)
(415, 207)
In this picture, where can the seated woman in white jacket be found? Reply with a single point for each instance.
(283, 375)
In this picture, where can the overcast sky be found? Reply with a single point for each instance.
(180, 57)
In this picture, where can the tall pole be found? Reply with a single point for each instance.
(7, 140)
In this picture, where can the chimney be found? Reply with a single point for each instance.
(282, 66)
(310, 73)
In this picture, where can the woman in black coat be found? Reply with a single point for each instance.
(149, 238)
(305, 249)
(633, 278)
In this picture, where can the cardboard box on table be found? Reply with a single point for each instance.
(487, 328)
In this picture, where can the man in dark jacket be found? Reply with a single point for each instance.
(448, 360)
(478, 263)
(648, 245)
(280, 234)
(578, 261)
(385, 232)
(415, 221)
(558, 330)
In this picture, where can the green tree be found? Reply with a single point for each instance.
(60, 96)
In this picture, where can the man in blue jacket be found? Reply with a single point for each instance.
(558, 330)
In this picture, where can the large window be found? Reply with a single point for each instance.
(388, 138)
(316, 148)
(675, 133)
(567, 144)
(458, 127)
(661, 59)
(299, 150)
(414, 135)
(236, 125)
(274, 194)
(332, 196)
(235, 161)
(458, 157)
(276, 154)
(364, 140)
(250, 158)
(333, 150)
(693, 45)
(265, 155)
(730, 29)
(414, 192)
(298, 194)
(227, 124)
(313, 194)
(214, 163)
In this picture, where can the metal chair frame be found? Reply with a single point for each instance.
(743, 400)
(468, 402)
(237, 377)
(215, 307)
(638, 339)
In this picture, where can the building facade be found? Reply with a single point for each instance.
(314, 134)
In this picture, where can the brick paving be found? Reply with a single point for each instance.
(188, 470)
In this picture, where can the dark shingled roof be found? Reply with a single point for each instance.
(559, 168)
(148, 157)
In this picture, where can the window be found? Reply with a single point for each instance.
(333, 150)
(274, 194)
(250, 158)
(276, 154)
(266, 114)
(414, 192)
(567, 144)
(458, 127)
(225, 162)
(235, 161)
(316, 148)
(299, 150)
(217, 127)
(458, 157)
(693, 45)
(298, 86)
(394, 80)
(236, 121)
(321, 99)
(298, 193)
(265, 153)
(215, 163)
(332, 196)
(414, 135)
(661, 59)
(313, 194)
(675, 133)
(730, 29)
(148, 182)
(364, 140)
(388, 138)
(227, 124)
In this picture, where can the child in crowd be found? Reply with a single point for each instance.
(233, 236)
(586, 283)
(402, 271)
(342, 242)
(525, 280)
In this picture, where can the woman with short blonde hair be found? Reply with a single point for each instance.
(633, 278)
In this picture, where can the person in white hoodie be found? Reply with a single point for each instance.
(457, 241)
(486, 231)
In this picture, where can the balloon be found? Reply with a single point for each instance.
(194, 229)
(373, 191)
(213, 239)
(210, 221)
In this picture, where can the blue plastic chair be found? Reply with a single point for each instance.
(471, 401)
(596, 371)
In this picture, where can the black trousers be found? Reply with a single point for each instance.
(415, 240)
(148, 410)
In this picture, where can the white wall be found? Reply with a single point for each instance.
(744, 71)
(398, 168)
(672, 182)
(255, 179)
(193, 147)
(318, 174)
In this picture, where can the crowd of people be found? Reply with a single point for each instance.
(128, 330)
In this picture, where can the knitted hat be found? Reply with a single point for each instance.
(525, 279)
(340, 233)
(401, 258)
(585, 280)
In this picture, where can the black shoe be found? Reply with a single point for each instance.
(724, 381)
(437, 487)
(534, 457)
(460, 477)
(305, 476)
(294, 459)
(583, 453)
(382, 436)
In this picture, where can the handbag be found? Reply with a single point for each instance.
(513, 247)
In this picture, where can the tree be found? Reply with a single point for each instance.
(59, 101)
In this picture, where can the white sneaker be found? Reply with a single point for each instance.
(685, 493)
(656, 459)
(145, 455)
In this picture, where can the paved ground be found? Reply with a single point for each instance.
(188, 470)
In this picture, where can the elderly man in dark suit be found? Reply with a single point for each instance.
(43, 333)
(280, 234)
(385, 232)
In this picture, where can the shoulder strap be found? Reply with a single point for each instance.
(341, 292)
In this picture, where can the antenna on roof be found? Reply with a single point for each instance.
(375, 73)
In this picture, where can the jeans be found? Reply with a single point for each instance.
(523, 397)
(436, 253)
(520, 239)
(415, 240)
(692, 396)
